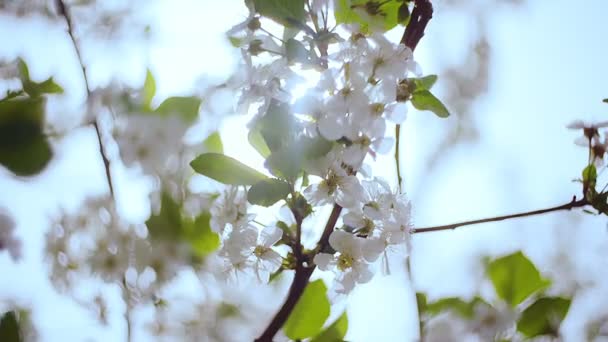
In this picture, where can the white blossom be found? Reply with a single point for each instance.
(8, 241)
(351, 260)
(249, 248)
(337, 186)
(229, 208)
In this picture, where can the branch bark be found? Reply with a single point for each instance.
(574, 203)
(65, 13)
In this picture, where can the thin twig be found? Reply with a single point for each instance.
(397, 161)
(127, 299)
(64, 11)
(574, 203)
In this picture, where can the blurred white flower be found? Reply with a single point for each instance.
(8, 241)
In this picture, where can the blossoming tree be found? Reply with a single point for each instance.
(326, 92)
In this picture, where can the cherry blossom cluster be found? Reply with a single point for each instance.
(591, 139)
(97, 242)
(358, 89)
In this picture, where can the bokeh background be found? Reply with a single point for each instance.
(513, 73)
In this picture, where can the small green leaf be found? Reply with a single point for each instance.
(455, 304)
(167, 224)
(268, 192)
(424, 100)
(225, 169)
(257, 141)
(543, 317)
(213, 143)
(202, 239)
(277, 125)
(185, 106)
(24, 148)
(281, 11)
(35, 89)
(515, 278)
(149, 90)
(297, 52)
(605, 100)
(590, 175)
(425, 83)
(335, 332)
(9, 328)
(310, 313)
(370, 15)
(403, 14)
(421, 302)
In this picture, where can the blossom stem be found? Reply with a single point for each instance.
(574, 203)
(64, 11)
(300, 280)
(397, 161)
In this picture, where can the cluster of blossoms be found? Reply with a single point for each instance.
(98, 242)
(591, 139)
(358, 89)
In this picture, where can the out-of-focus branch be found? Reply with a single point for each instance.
(64, 11)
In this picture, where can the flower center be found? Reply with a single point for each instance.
(345, 262)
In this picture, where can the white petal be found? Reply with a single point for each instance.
(323, 261)
(270, 235)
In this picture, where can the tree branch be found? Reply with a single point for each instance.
(567, 206)
(420, 17)
(64, 11)
(300, 280)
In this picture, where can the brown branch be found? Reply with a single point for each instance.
(420, 17)
(64, 11)
(300, 280)
(567, 206)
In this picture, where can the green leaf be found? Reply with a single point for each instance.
(424, 100)
(277, 126)
(24, 148)
(9, 328)
(370, 15)
(297, 52)
(225, 169)
(268, 192)
(515, 278)
(421, 302)
(425, 83)
(213, 143)
(403, 14)
(167, 224)
(590, 175)
(455, 304)
(149, 90)
(202, 239)
(459, 306)
(257, 141)
(281, 11)
(335, 332)
(35, 89)
(543, 317)
(310, 313)
(185, 106)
